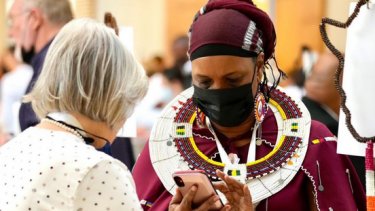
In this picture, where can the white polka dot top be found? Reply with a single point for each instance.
(50, 170)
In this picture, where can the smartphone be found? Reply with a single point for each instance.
(186, 179)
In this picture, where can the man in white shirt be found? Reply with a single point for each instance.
(13, 87)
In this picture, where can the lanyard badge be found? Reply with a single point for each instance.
(236, 170)
(233, 167)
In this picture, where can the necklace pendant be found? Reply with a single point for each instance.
(259, 142)
(236, 171)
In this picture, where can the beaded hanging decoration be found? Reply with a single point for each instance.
(261, 107)
(172, 145)
(369, 157)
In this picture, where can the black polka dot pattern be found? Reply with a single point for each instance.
(49, 170)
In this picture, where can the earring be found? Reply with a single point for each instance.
(260, 108)
(260, 111)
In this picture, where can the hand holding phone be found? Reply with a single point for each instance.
(203, 191)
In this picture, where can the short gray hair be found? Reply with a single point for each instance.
(56, 11)
(89, 71)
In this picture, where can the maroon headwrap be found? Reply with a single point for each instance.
(237, 24)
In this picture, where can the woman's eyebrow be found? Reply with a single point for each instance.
(202, 76)
(235, 73)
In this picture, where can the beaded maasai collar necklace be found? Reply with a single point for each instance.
(172, 145)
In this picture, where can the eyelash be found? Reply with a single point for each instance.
(205, 84)
(233, 80)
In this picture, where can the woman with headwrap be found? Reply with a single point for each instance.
(234, 121)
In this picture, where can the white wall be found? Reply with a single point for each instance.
(147, 18)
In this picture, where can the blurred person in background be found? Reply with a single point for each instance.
(13, 86)
(19, 72)
(158, 95)
(308, 58)
(180, 72)
(154, 65)
(323, 100)
(33, 25)
(87, 89)
(293, 85)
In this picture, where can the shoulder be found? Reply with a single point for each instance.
(322, 144)
(321, 138)
(318, 130)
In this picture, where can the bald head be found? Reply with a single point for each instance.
(326, 65)
(180, 48)
(320, 84)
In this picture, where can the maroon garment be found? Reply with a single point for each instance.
(337, 192)
(235, 16)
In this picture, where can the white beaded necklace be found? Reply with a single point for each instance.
(60, 125)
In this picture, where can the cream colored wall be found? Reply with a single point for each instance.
(84, 8)
(179, 16)
(146, 16)
(297, 24)
(2, 25)
(150, 25)
(148, 19)
(338, 10)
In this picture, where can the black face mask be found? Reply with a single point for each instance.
(27, 56)
(226, 107)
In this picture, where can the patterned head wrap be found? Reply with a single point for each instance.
(231, 27)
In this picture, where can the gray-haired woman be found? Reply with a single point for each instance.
(87, 89)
